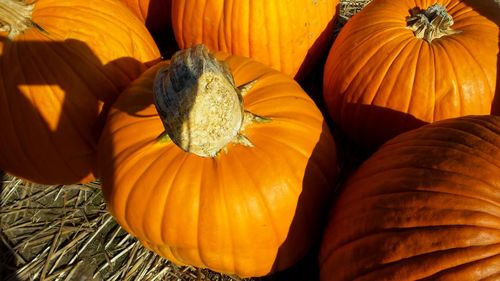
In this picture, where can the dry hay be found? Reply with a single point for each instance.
(64, 233)
(350, 8)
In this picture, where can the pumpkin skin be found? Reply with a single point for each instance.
(423, 207)
(290, 36)
(154, 13)
(55, 84)
(379, 73)
(249, 211)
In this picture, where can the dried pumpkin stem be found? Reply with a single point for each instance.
(432, 23)
(15, 17)
(199, 103)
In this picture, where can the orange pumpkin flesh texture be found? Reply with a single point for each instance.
(290, 36)
(55, 83)
(426, 206)
(248, 211)
(378, 72)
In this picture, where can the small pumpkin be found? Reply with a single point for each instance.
(398, 65)
(423, 207)
(225, 174)
(290, 36)
(154, 13)
(61, 64)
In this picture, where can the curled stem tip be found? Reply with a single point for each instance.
(431, 23)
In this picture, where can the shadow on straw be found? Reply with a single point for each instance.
(7, 258)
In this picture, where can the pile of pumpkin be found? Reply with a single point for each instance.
(217, 158)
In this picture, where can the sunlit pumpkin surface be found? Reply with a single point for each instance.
(380, 80)
(250, 210)
(290, 36)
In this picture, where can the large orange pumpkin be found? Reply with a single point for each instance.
(239, 190)
(61, 62)
(426, 206)
(290, 36)
(397, 65)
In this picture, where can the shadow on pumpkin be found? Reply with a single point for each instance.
(158, 22)
(310, 72)
(310, 215)
(50, 134)
(7, 260)
(370, 126)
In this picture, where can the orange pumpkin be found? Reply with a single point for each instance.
(61, 62)
(234, 183)
(154, 13)
(423, 207)
(397, 65)
(290, 36)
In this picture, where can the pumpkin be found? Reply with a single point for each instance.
(231, 175)
(398, 65)
(290, 36)
(154, 13)
(423, 207)
(61, 64)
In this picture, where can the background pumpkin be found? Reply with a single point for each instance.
(247, 211)
(289, 36)
(57, 75)
(423, 207)
(380, 80)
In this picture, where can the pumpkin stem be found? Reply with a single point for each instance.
(432, 23)
(15, 17)
(199, 103)
(245, 88)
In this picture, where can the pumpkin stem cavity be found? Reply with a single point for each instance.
(15, 17)
(199, 104)
(432, 23)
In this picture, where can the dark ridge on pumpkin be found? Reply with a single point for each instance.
(394, 268)
(7, 260)
(468, 268)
